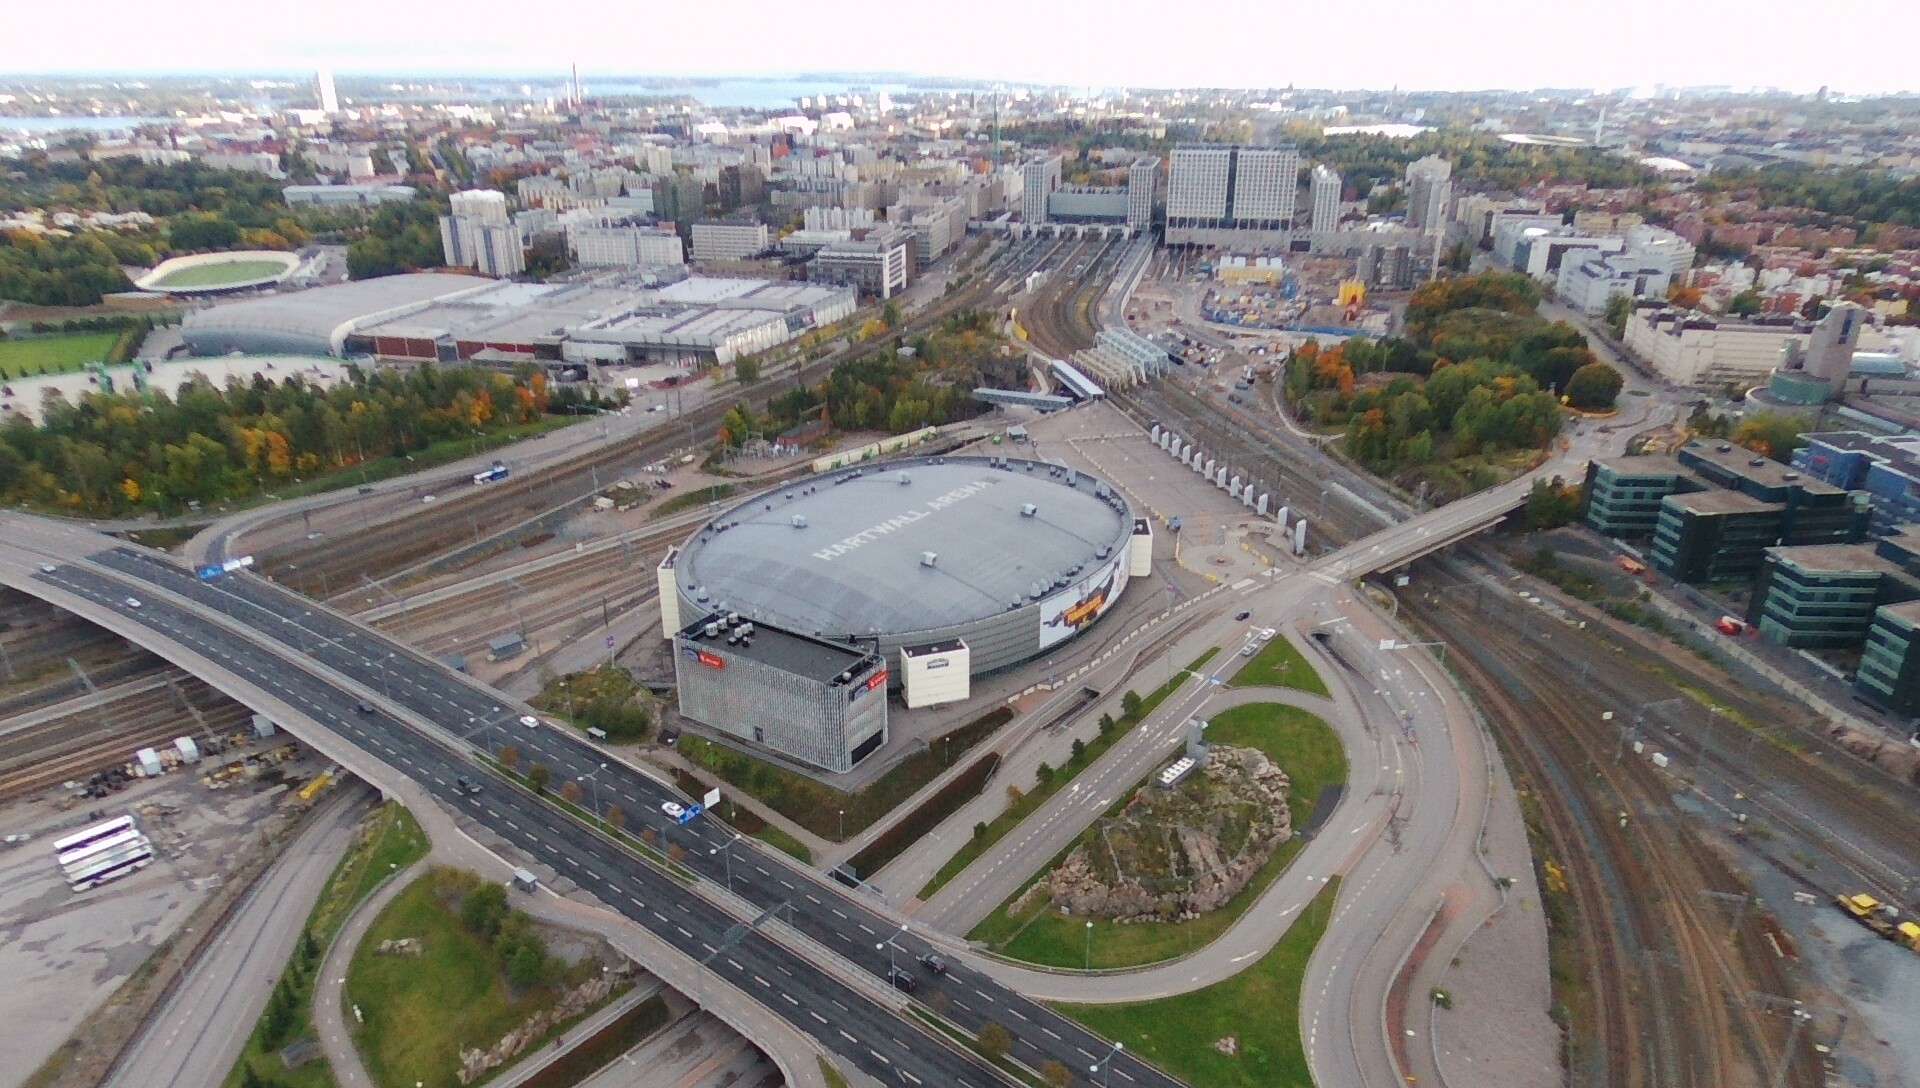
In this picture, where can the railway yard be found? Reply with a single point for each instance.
(1690, 897)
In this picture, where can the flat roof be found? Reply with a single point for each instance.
(1722, 501)
(816, 659)
(1741, 462)
(320, 311)
(857, 566)
(1836, 557)
(943, 646)
(1645, 464)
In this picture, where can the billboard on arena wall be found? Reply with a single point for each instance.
(1077, 606)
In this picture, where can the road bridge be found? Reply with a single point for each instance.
(394, 715)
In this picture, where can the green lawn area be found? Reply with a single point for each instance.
(1305, 746)
(393, 841)
(1011, 816)
(785, 843)
(688, 500)
(1279, 664)
(32, 356)
(421, 1010)
(213, 275)
(1260, 1007)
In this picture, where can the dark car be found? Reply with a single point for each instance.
(1242, 615)
(934, 962)
(466, 785)
(902, 979)
(363, 707)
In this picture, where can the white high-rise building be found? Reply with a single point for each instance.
(1140, 181)
(1039, 178)
(329, 98)
(484, 205)
(1215, 191)
(1326, 200)
(628, 247)
(479, 234)
(1429, 192)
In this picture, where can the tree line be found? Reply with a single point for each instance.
(123, 453)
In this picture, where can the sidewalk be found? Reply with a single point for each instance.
(329, 1016)
(529, 1064)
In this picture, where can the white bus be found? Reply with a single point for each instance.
(116, 863)
(89, 836)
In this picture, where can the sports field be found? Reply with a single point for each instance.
(213, 275)
(32, 356)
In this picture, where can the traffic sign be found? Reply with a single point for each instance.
(712, 798)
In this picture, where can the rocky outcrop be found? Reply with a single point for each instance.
(476, 1062)
(1180, 853)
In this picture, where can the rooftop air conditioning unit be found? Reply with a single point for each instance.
(927, 559)
(1029, 510)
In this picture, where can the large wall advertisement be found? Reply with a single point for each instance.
(1074, 608)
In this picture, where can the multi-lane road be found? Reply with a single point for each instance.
(422, 719)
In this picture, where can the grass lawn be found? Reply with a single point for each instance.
(688, 500)
(1301, 743)
(1011, 816)
(393, 842)
(213, 275)
(1279, 664)
(785, 843)
(32, 356)
(1260, 1007)
(421, 1010)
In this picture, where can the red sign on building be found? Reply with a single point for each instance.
(876, 679)
(711, 661)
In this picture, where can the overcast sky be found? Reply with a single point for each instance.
(1861, 46)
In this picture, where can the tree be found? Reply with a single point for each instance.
(1106, 724)
(890, 315)
(746, 371)
(483, 909)
(1552, 504)
(509, 756)
(1056, 1074)
(980, 830)
(1745, 304)
(1619, 308)
(202, 232)
(615, 818)
(527, 965)
(570, 792)
(1773, 434)
(1594, 387)
(249, 1077)
(538, 776)
(1130, 704)
(993, 1040)
(1684, 296)
(1079, 749)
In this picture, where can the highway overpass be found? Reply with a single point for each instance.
(823, 976)
(1398, 545)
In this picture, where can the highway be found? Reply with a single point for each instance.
(260, 630)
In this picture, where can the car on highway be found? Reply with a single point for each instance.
(529, 721)
(466, 785)
(1242, 615)
(363, 707)
(902, 979)
(1234, 398)
(1247, 650)
(47, 568)
(934, 962)
(133, 602)
(673, 809)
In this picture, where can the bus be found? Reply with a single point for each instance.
(497, 472)
(126, 859)
(83, 855)
(91, 835)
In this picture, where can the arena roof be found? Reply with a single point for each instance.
(856, 567)
(316, 321)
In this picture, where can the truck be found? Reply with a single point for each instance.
(499, 471)
(1728, 625)
(1881, 918)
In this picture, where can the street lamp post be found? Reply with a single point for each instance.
(843, 825)
(890, 947)
(1105, 1065)
(1089, 962)
(593, 776)
(725, 850)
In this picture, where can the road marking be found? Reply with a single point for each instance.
(816, 1016)
(1050, 1032)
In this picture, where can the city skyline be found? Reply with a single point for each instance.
(1406, 45)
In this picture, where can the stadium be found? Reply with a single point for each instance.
(218, 273)
(990, 560)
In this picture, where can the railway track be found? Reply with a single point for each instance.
(104, 731)
(1668, 994)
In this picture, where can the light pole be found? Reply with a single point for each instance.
(1089, 962)
(1105, 1065)
(843, 825)
(386, 678)
(593, 776)
(725, 850)
(890, 947)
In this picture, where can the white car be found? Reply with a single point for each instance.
(48, 568)
(529, 721)
(426, 498)
(673, 809)
(133, 602)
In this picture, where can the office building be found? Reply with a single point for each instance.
(728, 239)
(1589, 279)
(1141, 177)
(1753, 503)
(1429, 193)
(1326, 200)
(1623, 494)
(323, 88)
(937, 225)
(1825, 597)
(1087, 204)
(627, 247)
(328, 196)
(1830, 348)
(679, 197)
(1889, 672)
(480, 205)
(1886, 470)
(1039, 177)
(813, 699)
(1225, 195)
(879, 261)
(480, 235)
(1658, 245)
(1686, 347)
